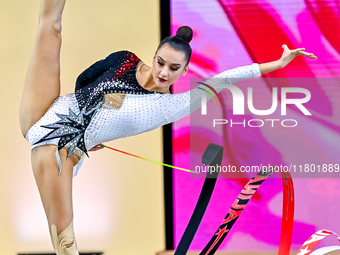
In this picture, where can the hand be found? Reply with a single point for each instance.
(288, 55)
(97, 147)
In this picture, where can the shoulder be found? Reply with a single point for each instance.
(124, 54)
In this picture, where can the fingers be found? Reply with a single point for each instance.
(299, 49)
(306, 54)
(285, 47)
(301, 52)
(96, 148)
(291, 54)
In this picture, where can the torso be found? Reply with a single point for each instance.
(118, 73)
(115, 100)
(107, 81)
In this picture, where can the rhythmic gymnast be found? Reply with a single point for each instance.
(116, 97)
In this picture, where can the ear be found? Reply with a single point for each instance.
(185, 70)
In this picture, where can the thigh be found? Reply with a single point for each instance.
(42, 83)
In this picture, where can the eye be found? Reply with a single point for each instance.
(174, 68)
(160, 63)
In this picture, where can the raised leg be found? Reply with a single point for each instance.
(42, 87)
(42, 84)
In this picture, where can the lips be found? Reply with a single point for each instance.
(161, 80)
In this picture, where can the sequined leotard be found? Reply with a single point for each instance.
(81, 120)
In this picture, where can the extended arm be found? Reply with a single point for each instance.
(183, 105)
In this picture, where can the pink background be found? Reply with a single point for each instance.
(228, 34)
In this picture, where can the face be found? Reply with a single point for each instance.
(168, 65)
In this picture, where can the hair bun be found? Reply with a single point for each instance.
(185, 33)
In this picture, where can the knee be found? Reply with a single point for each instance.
(43, 160)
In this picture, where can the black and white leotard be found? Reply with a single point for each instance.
(81, 120)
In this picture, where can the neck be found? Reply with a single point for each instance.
(147, 81)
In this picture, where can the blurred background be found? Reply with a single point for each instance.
(118, 200)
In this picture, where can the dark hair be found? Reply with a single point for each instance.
(180, 41)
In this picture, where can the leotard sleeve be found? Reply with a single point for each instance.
(179, 105)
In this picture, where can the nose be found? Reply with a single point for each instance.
(164, 72)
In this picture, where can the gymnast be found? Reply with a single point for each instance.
(116, 97)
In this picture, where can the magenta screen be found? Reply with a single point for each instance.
(229, 34)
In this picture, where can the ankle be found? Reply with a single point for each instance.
(46, 25)
(51, 12)
(57, 26)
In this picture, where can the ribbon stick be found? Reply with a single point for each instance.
(241, 202)
(287, 214)
(150, 160)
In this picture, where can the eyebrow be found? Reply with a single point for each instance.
(160, 58)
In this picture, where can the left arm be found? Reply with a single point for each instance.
(287, 56)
